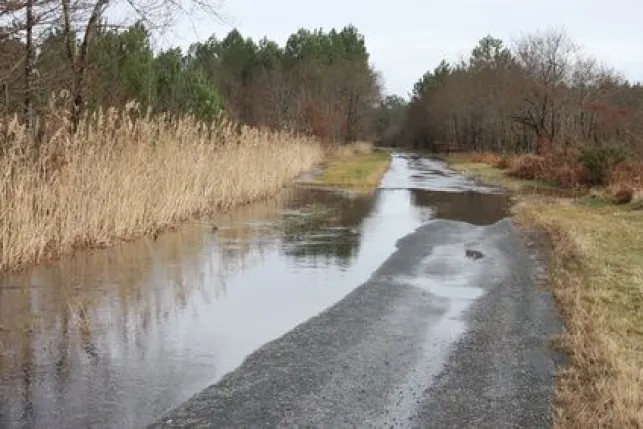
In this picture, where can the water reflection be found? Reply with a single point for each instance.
(77, 337)
(410, 171)
(115, 337)
(328, 230)
(472, 207)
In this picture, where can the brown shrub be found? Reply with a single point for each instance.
(623, 194)
(567, 174)
(527, 167)
(630, 173)
(560, 168)
(485, 158)
(502, 164)
(348, 150)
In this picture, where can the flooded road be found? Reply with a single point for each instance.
(117, 337)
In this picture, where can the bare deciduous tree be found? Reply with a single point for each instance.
(543, 95)
(22, 23)
(547, 62)
(81, 21)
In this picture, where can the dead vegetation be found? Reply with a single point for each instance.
(623, 194)
(598, 282)
(357, 166)
(348, 150)
(124, 174)
(597, 279)
(566, 170)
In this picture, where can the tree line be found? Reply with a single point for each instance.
(319, 82)
(541, 95)
(538, 95)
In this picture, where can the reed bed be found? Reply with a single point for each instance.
(124, 174)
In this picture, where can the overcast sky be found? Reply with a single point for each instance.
(407, 37)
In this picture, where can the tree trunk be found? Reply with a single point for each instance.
(29, 59)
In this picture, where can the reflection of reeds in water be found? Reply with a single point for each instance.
(88, 301)
(96, 308)
(327, 229)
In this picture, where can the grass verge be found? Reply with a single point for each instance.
(597, 279)
(495, 176)
(125, 174)
(360, 168)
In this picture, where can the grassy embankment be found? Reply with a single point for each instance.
(597, 279)
(358, 166)
(121, 178)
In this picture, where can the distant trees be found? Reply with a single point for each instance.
(389, 123)
(20, 23)
(547, 64)
(34, 27)
(542, 94)
(318, 82)
(539, 95)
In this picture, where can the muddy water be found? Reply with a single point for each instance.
(116, 337)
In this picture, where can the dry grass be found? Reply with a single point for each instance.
(119, 178)
(528, 167)
(493, 175)
(597, 277)
(555, 166)
(483, 171)
(337, 151)
(490, 158)
(551, 174)
(485, 158)
(630, 173)
(356, 166)
(562, 169)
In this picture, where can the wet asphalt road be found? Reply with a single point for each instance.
(435, 338)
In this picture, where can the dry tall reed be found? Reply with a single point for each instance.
(348, 150)
(125, 174)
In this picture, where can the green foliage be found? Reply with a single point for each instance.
(431, 80)
(319, 82)
(205, 102)
(124, 67)
(601, 162)
(489, 53)
(326, 48)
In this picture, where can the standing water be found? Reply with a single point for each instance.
(116, 337)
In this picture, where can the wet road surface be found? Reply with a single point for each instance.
(433, 339)
(343, 310)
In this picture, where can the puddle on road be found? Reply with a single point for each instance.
(115, 337)
(409, 171)
(449, 276)
(469, 206)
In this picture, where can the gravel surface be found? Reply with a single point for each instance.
(452, 331)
